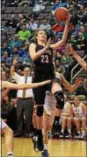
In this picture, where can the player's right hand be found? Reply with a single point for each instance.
(45, 82)
(48, 43)
(68, 18)
(79, 80)
(69, 49)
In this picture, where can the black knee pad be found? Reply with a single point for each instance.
(39, 111)
(60, 99)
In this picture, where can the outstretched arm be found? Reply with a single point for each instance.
(6, 84)
(77, 57)
(64, 37)
(69, 87)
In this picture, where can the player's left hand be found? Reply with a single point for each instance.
(68, 18)
(79, 80)
(69, 49)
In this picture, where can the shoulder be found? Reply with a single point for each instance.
(32, 45)
(82, 104)
(68, 104)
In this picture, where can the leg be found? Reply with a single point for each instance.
(83, 123)
(37, 123)
(48, 119)
(83, 120)
(28, 109)
(77, 124)
(39, 94)
(56, 125)
(69, 123)
(47, 126)
(34, 117)
(39, 116)
(38, 138)
(8, 134)
(59, 96)
(20, 108)
(63, 125)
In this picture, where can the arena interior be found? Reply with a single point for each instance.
(19, 21)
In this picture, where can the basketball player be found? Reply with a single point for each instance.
(66, 118)
(41, 52)
(79, 112)
(77, 57)
(6, 131)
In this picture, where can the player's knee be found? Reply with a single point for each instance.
(83, 118)
(39, 111)
(69, 118)
(60, 99)
(10, 132)
(64, 118)
(76, 119)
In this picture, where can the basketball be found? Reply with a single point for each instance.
(61, 14)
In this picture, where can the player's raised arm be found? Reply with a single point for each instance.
(77, 57)
(9, 85)
(64, 37)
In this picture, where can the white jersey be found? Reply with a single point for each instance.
(2, 124)
(78, 111)
(65, 107)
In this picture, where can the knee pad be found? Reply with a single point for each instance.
(60, 99)
(39, 111)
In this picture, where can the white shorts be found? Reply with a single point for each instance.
(2, 124)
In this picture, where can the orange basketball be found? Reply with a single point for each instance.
(61, 14)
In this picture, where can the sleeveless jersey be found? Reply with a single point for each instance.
(78, 112)
(65, 107)
(45, 62)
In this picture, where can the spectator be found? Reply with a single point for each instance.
(66, 119)
(80, 41)
(15, 42)
(79, 112)
(12, 22)
(82, 89)
(45, 25)
(33, 25)
(59, 67)
(24, 34)
(25, 101)
(58, 4)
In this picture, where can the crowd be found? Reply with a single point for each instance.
(17, 32)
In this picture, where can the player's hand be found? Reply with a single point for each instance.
(79, 80)
(68, 19)
(45, 82)
(69, 49)
(48, 43)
